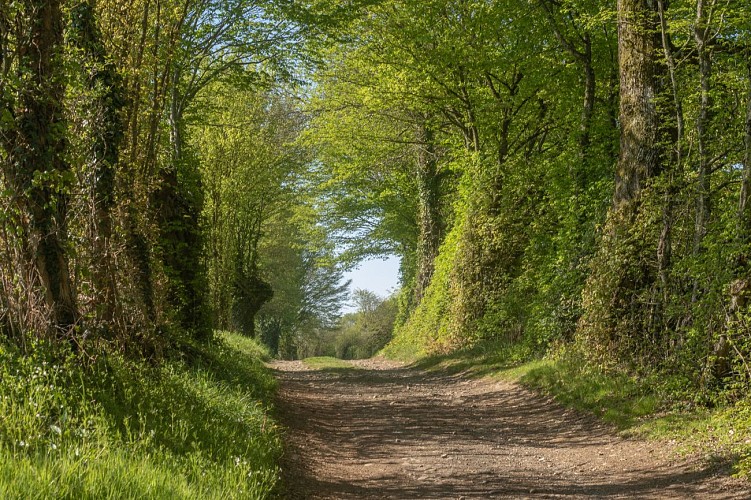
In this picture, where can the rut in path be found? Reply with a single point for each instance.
(384, 431)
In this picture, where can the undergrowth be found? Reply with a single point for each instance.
(189, 428)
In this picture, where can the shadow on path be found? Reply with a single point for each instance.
(403, 433)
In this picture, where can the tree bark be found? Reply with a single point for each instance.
(179, 201)
(39, 172)
(106, 90)
(744, 202)
(665, 243)
(705, 73)
(639, 157)
(616, 317)
(740, 287)
(429, 215)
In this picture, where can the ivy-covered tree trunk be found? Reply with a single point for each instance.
(703, 206)
(103, 114)
(179, 209)
(665, 242)
(616, 315)
(744, 204)
(429, 214)
(639, 157)
(180, 201)
(740, 287)
(38, 171)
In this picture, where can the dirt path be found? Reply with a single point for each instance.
(384, 431)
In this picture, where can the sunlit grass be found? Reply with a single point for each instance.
(617, 398)
(635, 405)
(328, 363)
(196, 428)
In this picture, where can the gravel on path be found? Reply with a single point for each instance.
(384, 430)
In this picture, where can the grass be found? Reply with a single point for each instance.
(483, 359)
(634, 405)
(617, 398)
(196, 428)
(646, 407)
(327, 363)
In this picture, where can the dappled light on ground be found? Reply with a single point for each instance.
(386, 431)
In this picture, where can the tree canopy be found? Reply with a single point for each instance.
(556, 172)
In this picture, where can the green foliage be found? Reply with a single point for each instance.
(193, 428)
(483, 359)
(486, 130)
(248, 167)
(365, 332)
(429, 327)
(618, 398)
(356, 335)
(365, 180)
(269, 260)
(308, 285)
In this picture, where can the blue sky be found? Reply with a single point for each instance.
(379, 276)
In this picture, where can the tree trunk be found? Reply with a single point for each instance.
(179, 202)
(39, 172)
(588, 106)
(740, 288)
(617, 320)
(106, 90)
(639, 157)
(702, 121)
(744, 202)
(665, 243)
(429, 215)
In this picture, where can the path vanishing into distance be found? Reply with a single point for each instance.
(388, 431)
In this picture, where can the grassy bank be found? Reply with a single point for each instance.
(193, 428)
(648, 406)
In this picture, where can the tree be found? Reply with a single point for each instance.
(366, 331)
(218, 39)
(34, 143)
(104, 101)
(614, 307)
(249, 171)
(298, 257)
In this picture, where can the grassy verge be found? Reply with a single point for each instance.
(636, 406)
(327, 363)
(125, 429)
(646, 407)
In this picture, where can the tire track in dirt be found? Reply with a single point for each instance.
(386, 431)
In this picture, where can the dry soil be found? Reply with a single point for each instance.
(388, 431)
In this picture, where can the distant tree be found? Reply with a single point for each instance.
(366, 331)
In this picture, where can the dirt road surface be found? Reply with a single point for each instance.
(386, 431)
